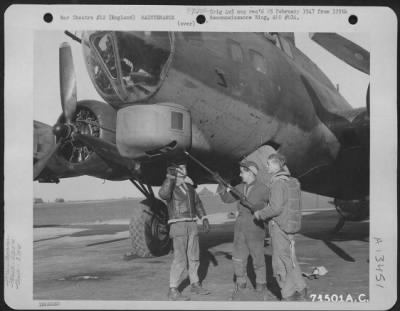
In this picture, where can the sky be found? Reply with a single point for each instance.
(47, 107)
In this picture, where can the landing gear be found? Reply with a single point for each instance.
(355, 210)
(148, 226)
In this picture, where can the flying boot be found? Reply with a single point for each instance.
(239, 291)
(297, 296)
(197, 289)
(262, 290)
(175, 295)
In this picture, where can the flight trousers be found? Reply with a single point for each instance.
(285, 267)
(248, 240)
(185, 238)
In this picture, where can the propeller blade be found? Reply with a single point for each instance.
(349, 52)
(67, 82)
(40, 164)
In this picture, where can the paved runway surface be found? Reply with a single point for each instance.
(78, 254)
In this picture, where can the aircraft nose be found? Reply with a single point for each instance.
(136, 63)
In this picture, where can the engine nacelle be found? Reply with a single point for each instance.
(89, 114)
(143, 128)
(353, 210)
(74, 158)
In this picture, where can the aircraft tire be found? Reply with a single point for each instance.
(149, 230)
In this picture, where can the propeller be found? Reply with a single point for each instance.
(67, 82)
(344, 49)
(68, 96)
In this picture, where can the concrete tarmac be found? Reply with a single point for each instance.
(78, 255)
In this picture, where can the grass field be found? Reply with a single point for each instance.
(85, 211)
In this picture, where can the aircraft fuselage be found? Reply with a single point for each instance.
(242, 91)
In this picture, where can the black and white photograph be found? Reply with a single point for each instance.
(175, 167)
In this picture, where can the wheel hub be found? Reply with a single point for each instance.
(159, 229)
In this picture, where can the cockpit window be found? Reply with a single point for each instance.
(142, 58)
(277, 42)
(128, 66)
(235, 51)
(257, 61)
(286, 47)
(99, 76)
(104, 46)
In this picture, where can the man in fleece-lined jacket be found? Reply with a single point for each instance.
(184, 206)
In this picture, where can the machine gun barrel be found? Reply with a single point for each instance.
(220, 180)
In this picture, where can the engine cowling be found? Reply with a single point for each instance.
(91, 118)
(74, 158)
(353, 210)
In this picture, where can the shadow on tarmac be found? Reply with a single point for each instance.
(87, 230)
(316, 226)
(219, 234)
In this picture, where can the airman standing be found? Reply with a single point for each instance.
(284, 221)
(184, 206)
(248, 234)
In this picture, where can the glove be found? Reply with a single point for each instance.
(171, 172)
(221, 183)
(221, 188)
(206, 226)
(217, 177)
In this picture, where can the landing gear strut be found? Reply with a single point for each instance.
(148, 226)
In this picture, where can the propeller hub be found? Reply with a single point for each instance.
(62, 130)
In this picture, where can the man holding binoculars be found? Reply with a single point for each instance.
(184, 206)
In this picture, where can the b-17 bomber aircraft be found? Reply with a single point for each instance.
(221, 97)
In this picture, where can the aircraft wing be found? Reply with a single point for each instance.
(44, 146)
(349, 52)
(43, 140)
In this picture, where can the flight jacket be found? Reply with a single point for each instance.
(183, 201)
(256, 193)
